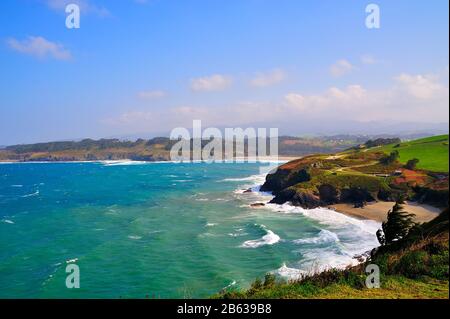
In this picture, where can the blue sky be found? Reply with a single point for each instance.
(144, 67)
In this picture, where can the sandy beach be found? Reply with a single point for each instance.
(378, 211)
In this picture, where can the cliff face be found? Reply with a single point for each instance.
(355, 177)
(287, 175)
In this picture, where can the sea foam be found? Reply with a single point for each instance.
(270, 238)
(36, 193)
(290, 273)
(324, 236)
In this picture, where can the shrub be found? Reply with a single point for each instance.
(397, 226)
(412, 164)
(353, 279)
(381, 141)
(391, 158)
(269, 280)
(413, 264)
(256, 285)
(382, 261)
(439, 266)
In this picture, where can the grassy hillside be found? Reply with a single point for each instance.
(432, 152)
(393, 287)
(365, 174)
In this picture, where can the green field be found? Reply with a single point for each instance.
(431, 151)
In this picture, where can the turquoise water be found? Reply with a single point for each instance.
(157, 230)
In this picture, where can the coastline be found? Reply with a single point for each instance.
(266, 159)
(374, 211)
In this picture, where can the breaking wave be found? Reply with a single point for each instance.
(324, 236)
(270, 238)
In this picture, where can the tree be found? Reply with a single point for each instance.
(397, 226)
(412, 164)
(382, 141)
(391, 158)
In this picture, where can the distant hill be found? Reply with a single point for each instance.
(156, 149)
(430, 151)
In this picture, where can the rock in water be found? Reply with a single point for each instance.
(257, 205)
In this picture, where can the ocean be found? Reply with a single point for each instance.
(158, 230)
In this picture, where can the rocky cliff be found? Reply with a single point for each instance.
(355, 177)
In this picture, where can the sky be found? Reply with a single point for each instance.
(144, 67)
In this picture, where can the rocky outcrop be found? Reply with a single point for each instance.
(317, 181)
(327, 195)
(257, 205)
(142, 158)
(305, 199)
(356, 195)
(358, 176)
(436, 197)
(284, 178)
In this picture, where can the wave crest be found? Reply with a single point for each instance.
(324, 236)
(270, 238)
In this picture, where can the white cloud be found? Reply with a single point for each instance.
(409, 98)
(296, 99)
(215, 82)
(332, 98)
(421, 86)
(341, 68)
(267, 79)
(40, 47)
(148, 95)
(85, 7)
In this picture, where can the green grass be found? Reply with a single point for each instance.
(392, 287)
(341, 180)
(432, 152)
